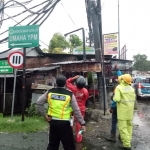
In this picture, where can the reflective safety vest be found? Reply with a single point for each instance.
(59, 100)
(125, 106)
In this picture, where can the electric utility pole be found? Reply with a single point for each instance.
(94, 13)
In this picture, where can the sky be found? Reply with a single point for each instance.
(70, 15)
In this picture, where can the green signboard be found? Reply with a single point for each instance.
(5, 68)
(23, 36)
(79, 50)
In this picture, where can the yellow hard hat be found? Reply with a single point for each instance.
(119, 78)
(127, 78)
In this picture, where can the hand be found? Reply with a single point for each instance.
(76, 77)
(48, 118)
(84, 128)
(110, 110)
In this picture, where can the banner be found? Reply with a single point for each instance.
(110, 43)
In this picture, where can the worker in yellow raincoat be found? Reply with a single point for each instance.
(125, 98)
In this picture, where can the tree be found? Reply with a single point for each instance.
(74, 41)
(58, 41)
(141, 63)
(45, 50)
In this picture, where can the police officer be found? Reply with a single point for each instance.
(61, 103)
(125, 98)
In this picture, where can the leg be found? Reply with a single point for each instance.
(78, 126)
(129, 128)
(112, 137)
(124, 134)
(114, 120)
(54, 139)
(66, 135)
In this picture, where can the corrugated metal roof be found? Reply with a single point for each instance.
(75, 62)
(5, 54)
(41, 69)
(8, 75)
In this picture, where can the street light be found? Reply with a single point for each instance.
(83, 36)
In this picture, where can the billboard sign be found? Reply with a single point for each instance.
(110, 42)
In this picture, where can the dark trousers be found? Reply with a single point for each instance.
(114, 120)
(61, 131)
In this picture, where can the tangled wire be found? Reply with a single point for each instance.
(43, 11)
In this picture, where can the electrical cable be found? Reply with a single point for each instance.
(48, 10)
(68, 14)
(30, 11)
(21, 20)
(26, 10)
(54, 5)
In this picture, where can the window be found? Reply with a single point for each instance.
(147, 80)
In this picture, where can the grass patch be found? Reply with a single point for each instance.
(30, 124)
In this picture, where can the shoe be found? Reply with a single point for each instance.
(112, 138)
(125, 148)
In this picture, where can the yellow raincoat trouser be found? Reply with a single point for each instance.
(125, 98)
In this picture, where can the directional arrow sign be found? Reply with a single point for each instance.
(13, 44)
(23, 36)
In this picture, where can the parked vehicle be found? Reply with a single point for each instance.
(142, 87)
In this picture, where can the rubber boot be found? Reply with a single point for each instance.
(125, 148)
(112, 137)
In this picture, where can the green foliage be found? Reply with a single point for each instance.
(32, 110)
(90, 79)
(45, 50)
(141, 63)
(74, 41)
(30, 124)
(58, 41)
(59, 51)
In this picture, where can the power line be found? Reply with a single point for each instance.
(68, 14)
(48, 8)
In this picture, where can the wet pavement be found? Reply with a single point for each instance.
(94, 138)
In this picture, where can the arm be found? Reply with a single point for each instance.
(117, 96)
(76, 110)
(69, 84)
(40, 106)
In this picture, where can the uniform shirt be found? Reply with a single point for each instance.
(43, 99)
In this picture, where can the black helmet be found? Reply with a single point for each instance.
(61, 81)
(80, 82)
